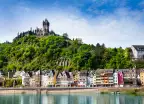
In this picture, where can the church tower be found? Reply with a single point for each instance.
(46, 27)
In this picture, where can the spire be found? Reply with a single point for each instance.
(31, 29)
(46, 21)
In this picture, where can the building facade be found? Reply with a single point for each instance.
(83, 78)
(104, 77)
(115, 78)
(141, 76)
(120, 79)
(26, 79)
(91, 78)
(51, 78)
(64, 79)
(98, 81)
(107, 77)
(129, 76)
(137, 52)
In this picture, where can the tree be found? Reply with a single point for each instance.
(28, 52)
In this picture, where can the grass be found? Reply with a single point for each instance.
(135, 92)
(104, 92)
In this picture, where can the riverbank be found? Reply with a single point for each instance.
(130, 90)
(64, 91)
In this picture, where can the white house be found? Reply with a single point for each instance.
(47, 78)
(25, 79)
(91, 79)
(24, 76)
(115, 78)
(44, 80)
(1, 73)
(137, 51)
(17, 74)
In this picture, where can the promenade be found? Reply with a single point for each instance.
(45, 90)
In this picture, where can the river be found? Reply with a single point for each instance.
(71, 98)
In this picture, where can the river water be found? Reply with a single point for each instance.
(71, 98)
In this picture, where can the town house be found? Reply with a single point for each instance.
(26, 79)
(107, 77)
(104, 77)
(83, 78)
(91, 78)
(64, 79)
(48, 78)
(129, 76)
(24, 76)
(76, 77)
(35, 79)
(141, 76)
(44, 78)
(115, 78)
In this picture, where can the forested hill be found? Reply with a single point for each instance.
(30, 52)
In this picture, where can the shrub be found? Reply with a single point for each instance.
(12, 82)
(19, 81)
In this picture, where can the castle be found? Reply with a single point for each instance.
(42, 31)
(38, 31)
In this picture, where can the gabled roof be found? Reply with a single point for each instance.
(127, 70)
(67, 74)
(75, 72)
(109, 70)
(124, 70)
(30, 73)
(84, 73)
(26, 75)
(141, 70)
(37, 72)
(17, 73)
(53, 72)
(71, 74)
(139, 47)
(92, 72)
(104, 70)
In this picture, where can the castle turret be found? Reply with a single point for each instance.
(46, 27)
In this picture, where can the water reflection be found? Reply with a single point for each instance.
(78, 98)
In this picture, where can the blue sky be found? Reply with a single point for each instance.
(113, 22)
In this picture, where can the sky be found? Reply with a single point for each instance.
(116, 23)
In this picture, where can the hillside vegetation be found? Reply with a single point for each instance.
(29, 52)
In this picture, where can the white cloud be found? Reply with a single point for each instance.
(122, 28)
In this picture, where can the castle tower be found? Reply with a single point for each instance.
(45, 27)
